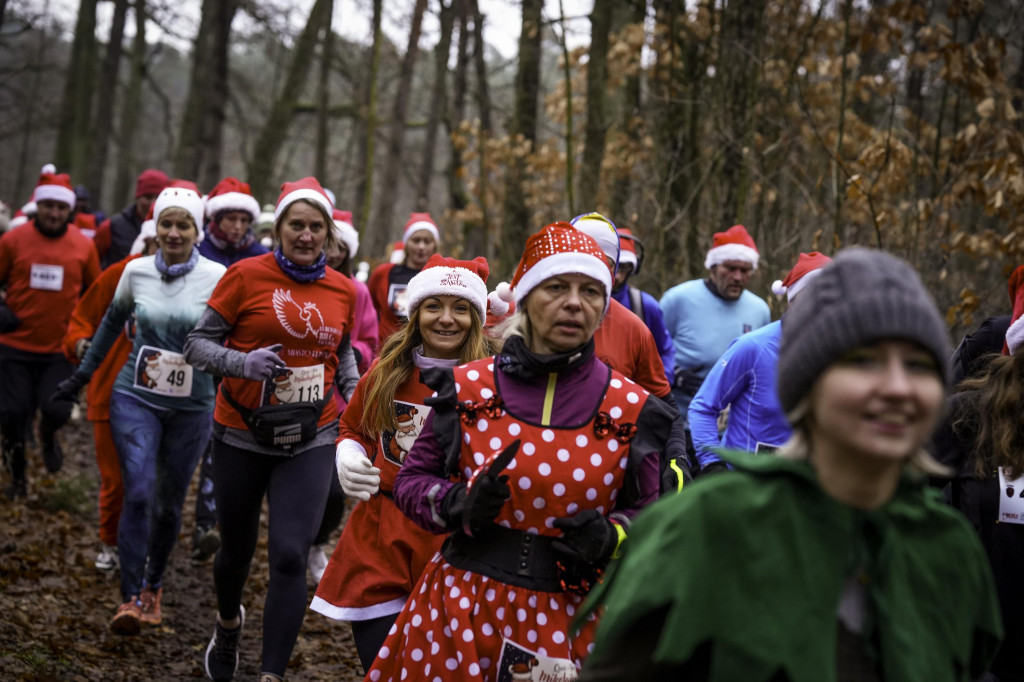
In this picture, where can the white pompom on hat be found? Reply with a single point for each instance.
(733, 244)
(346, 232)
(443, 276)
(306, 188)
(807, 267)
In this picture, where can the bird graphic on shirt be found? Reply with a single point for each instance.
(299, 320)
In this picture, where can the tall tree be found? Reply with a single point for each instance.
(622, 185)
(129, 121)
(275, 130)
(324, 100)
(368, 126)
(74, 131)
(438, 105)
(105, 107)
(597, 117)
(483, 105)
(396, 135)
(517, 222)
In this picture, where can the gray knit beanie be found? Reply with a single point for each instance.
(861, 297)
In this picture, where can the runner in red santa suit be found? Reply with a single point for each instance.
(388, 282)
(382, 552)
(535, 460)
(282, 313)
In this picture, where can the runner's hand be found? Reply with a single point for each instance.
(261, 364)
(67, 390)
(357, 475)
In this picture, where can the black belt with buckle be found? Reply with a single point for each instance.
(514, 557)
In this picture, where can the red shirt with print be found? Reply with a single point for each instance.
(624, 343)
(265, 306)
(45, 277)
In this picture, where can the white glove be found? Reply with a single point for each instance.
(357, 475)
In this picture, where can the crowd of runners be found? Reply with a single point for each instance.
(557, 477)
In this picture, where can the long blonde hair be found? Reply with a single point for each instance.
(395, 367)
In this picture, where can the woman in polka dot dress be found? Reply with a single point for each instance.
(382, 553)
(530, 534)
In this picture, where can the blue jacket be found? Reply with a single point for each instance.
(744, 377)
(227, 258)
(655, 321)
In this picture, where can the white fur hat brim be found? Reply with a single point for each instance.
(567, 262)
(447, 281)
(185, 199)
(726, 252)
(1015, 335)
(233, 201)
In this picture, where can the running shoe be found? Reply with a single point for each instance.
(222, 652)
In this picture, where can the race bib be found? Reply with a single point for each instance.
(164, 372)
(398, 298)
(294, 385)
(47, 277)
(1011, 498)
(396, 443)
(519, 663)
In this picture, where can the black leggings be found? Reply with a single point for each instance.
(296, 489)
(333, 511)
(369, 636)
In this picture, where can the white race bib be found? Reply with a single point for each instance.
(519, 663)
(1011, 498)
(164, 372)
(47, 277)
(294, 385)
(398, 297)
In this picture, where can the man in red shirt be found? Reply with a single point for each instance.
(45, 266)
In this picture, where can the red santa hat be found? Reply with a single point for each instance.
(443, 276)
(808, 266)
(601, 230)
(184, 198)
(417, 222)
(306, 188)
(231, 194)
(54, 186)
(346, 232)
(627, 248)
(1015, 334)
(733, 244)
(558, 249)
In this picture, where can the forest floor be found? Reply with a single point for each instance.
(55, 605)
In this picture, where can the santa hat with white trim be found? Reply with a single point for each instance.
(808, 266)
(627, 250)
(733, 244)
(345, 232)
(1015, 334)
(54, 186)
(231, 194)
(443, 276)
(307, 188)
(417, 222)
(558, 249)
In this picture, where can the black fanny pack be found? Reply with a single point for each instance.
(282, 426)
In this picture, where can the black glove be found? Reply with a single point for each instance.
(8, 320)
(676, 476)
(489, 494)
(67, 390)
(588, 537)
(714, 468)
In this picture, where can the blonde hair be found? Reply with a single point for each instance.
(395, 367)
(330, 241)
(798, 447)
(178, 212)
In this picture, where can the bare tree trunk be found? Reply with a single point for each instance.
(76, 108)
(622, 189)
(597, 119)
(517, 222)
(271, 138)
(215, 101)
(396, 135)
(324, 100)
(130, 109)
(367, 147)
(458, 197)
(438, 105)
(105, 107)
(188, 154)
(483, 104)
(570, 143)
(27, 175)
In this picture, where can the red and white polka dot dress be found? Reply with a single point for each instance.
(455, 622)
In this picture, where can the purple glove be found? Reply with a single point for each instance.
(261, 364)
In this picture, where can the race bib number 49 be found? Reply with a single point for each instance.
(164, 372)
(294, 385)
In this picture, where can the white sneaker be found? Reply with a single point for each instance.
(317, 563)
(107, 559)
